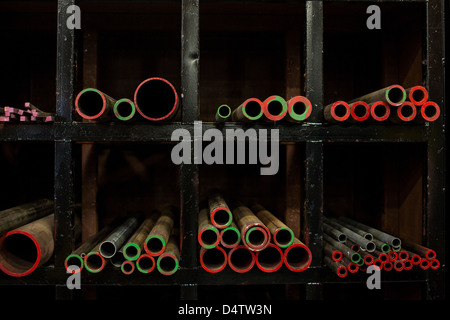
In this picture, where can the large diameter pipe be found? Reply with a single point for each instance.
(338, 111)
(219, 213)
(124, 110)
(255, 235)
(417, 95)
(359, 111)
(17, 216)
(299, 109)
(250, 110)
(135, 244)
(145, 263)
(24, 249)
(230, 237)
(282, 235)
(297, 257)
(270, 259)
(157, 240)
(241, 259)
(380, 111)
(394, 95)
(213, 260)
(351, 235)
(156, 99)
(168, 262)
(93, 104)
(223, 113)
(208, 235)
(275, 108)
(117, 238)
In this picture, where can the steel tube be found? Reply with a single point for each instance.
(424, 263)
(26, 248)
(299, 109)
(145, 263)
(255, 235)
(346, 251)
(94, 262)
(417, 95)
(250, 110)
(419, 249)
(297, 257)
(223, 113)
(399, 265)
(430, 111)
(334, 233)
(270, 259)
(413, 257)
(156, 241)
(118, 258)
(394, 95)
(392, 256)
(230, 237)
(220, 214)
(127, 267)
(380, 111)
(382, 246)
(434, 264)
(117, 238)
(336, 267)
(208, 235)
(362, 233)
(275, 108)
(351, 235)
(156, 99)
(407, 264)
(331, 252)
(17, 216)
(213, 260)
(359, 111)
(351, 266)
(168, 261)
(93, 104)
(282, 235)
(124, 110)
(134, 246)
(388, 266)
(406, 112)
(241, 259)
(338, 111)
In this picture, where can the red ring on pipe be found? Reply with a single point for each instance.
(213, 221)
(396, 86)
(333, 112)
(241, 247)
(415, 259)
(378, 263)
(424, 264)
(407, 264)
(403, 255)
(303, 100)
(202, 253)
(306, 265)
(427, 105)
(278, 266)
(411, 95)
(393, 256)
(262, 228)
(388, 265)
(358, 103)
(207, 246)
(434, 264)
(383, 257)
(94, 116)
(151, 259)
(337, 255)
(399, 265)
(400, 114)
(342, 272)
(431, 254)
(352, 267)
(129, 263)
(386, 113)
(273, 117)
(368, 259)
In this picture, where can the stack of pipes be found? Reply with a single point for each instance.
(30, 113)
(393, 103)
(247, 236)
(350, 246)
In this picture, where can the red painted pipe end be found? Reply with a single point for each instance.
(360, 111)
(407, 111)
(430, 111)
(380, 110)
(213, 260)
(418, 95)
(269, 259)
(240, 259)
(297, 257)
(340, 111)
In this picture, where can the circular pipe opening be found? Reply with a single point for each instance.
(396, 95)
(213, 260)
(418, 95)
(19, 253)
(74, 263)
(370, 246)
(124, 109)
(221, 217)
(275, 108)
(240, 259)
(388, 265)
(398, 265)
(299, 108)
(209, 238)
(396, 243)
(127, 267)
(224, 111)
(270, 259)
(131, 251)
(403, 255)
(230, 237)
(431, 254)
(107, 249)
(154, 245)
(434, 264)
(342, 272)
(253, 109)
(94, 262)
(255, 237)
(360, 111)
(430, 111)
(407, 265)
(283, 237)
(342, 237)
(167, 264)
(90, 103)
(353, 267)
(368, 259)
(340, 111)
(407, 111)
(145, 263)
(297, 257)
(337, 255)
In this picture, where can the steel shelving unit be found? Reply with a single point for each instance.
(314, 135)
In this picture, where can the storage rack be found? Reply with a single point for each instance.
(314, 135)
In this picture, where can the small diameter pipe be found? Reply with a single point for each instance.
(406, 112)
(92, 104)
(275, 108)
(338, 111)
(334, 233)
(378, 263)
(223, 113)
(270, 259)
(407, 264)
(297, 257)
(208, 235)
(430, 111)
(388, 266)
(424, 263)
(145, 263)
(346, 251)
(117, 238)
(434, 264)
(368, 258)
(336, 267)
(220, 214)
(352, 267)
(351, 235)
(18, 216)
(213, 260)
(419, 249)
(417, 95)
(380, 111)
(118, 258)
(299, 109)
(393, 256)
(403, 255)
(250, 110)
(359, 111)
(156, 99)
(127, 267)
(157, 239)
(26, 248)
(124, 110)
(413, 257)
(282, 235)
(94, 262)
(255, 235)
(168, 262)
(399, 265)
(256, 238)
(134, 246)
(230, 237)
(241, 259)
(382, 246)
(331, 252)
(394, 95)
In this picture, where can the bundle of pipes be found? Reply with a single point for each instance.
(137, 242)
(343, 250)
(29, 113)
(272, 109)
(394, 102)
(26, 237)
(253, 236)
(155, 99)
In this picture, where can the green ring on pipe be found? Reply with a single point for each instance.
(302, 116)
(131, 258)
(292, 237)
(250, 231)
(157, 237)
(158, 266)
(89, 269)
(228, 114)
(387, 96)
(385, 248)
(133, 108)
(216, 232)
(74, 256)
(248, 116)
(283, 103)
(355, 257)
(235, 230)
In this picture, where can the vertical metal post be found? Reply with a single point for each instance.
(189, 172)
(435, 197)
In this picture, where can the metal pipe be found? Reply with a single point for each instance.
(399, 265)
(346, 251)
(382, 246)
(417, 95)
(220, 214)
(407, 264)
(156, 99)
(270, 259)
(430, 111)
(230, 237)
(336, 267)
(367, 257)
(378, 263)
(94, 262)
(168, 261)
(413, 257)
(208, 235)
(362, 233)
(394, 95)
(380, 111)
(117, 238)
(250, 110)
(156, 241)
(338, 111)
(223, 113)
(419, 249)
(299, 109)
(124, 110)
(383, 236)
(297, 257)
(25, 248)
(93, 104)
(255, 235)
(334, 254)
(424, 263)
(282, 235)
(118, 258)
(392, 256)
(359, 111)
(388, 265)
(434, 264)
(334, 233)
(145, 263)
(405, 113)
(351, 266)
(275, 108)
(17, 216)
(213, 260)
(134, 246)
(241, 259)
(127, 267)
(351, 235)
